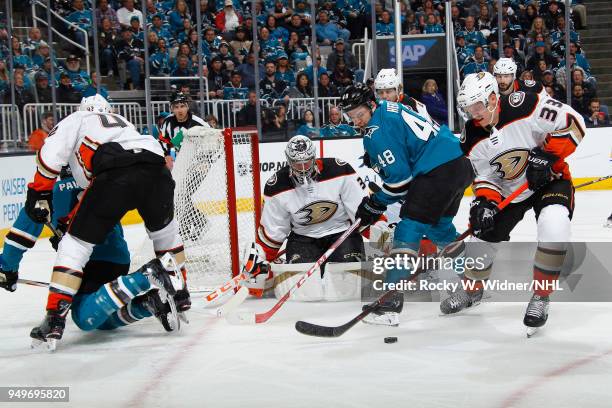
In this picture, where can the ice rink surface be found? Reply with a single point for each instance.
(480, 358)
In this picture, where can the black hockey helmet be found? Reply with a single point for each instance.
(355, 96)
(179, 97)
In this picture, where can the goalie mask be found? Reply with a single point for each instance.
(301, 155)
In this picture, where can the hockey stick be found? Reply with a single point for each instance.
(588, 183)
(33, 283)
(249, 317)
(230, 285)
(312, 329)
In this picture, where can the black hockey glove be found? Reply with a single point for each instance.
(482, 212)
(369, 211)
(39, 205)
(8, 280)
(61, 228)
(539, 168)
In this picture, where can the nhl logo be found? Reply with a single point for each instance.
(516, 99)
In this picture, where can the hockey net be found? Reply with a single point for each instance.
(217, 204)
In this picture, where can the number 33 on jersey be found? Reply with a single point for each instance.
(405, 145)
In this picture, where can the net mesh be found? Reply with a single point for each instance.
(205, 200)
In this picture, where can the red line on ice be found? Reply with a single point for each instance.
(172, 363)
(520, 394)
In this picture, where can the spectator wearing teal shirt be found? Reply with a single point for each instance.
(19, 58)
(234, 89)
(283, 70)
(82, 18)
(79, 78)
(307, 128)
(309, 70)
(160, 59)
(432, 27)
(385, 26)
(175, 17)
(92, 88)
(328, 32)
(335, 127)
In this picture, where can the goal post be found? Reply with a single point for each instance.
(217, 202)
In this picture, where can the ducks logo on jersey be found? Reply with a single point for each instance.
(317, 212)
(510, 164)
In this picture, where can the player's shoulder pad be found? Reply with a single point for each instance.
(278, 183)
(471, 135)
(518, 105)
(530, 85)
(331, 168)
(410, 103)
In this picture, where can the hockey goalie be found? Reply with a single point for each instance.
(509, 141)
(309, 202)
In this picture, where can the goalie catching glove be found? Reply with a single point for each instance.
(256, 269)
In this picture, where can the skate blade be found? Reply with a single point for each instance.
(531, 331)
(41, 345)
(183, 317)
(231, 305)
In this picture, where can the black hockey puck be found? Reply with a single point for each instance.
(390, 340)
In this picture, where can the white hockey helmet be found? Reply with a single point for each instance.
(95, 103)
(476, 88)
(301, 155)
(387, 79)
(505, 66)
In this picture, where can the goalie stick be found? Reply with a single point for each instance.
(249, 317)
(214, 296)
(311, 329)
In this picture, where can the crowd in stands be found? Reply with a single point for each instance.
(533, 34)
(534, 37)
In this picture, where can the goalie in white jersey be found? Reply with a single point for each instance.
(309, 202)
(121, 170)
(512, 140)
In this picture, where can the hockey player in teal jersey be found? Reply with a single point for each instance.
(419, 163)
(108, 297)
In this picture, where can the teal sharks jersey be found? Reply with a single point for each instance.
(402, 144)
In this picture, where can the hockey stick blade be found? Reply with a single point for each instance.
(316, 330)
(231, 305)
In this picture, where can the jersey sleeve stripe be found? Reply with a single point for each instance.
(486, 184)
(266, 240)
(14, 237)
(44, 169)
(394, 192)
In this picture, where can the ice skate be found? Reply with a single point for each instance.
(387, 313)
(460, 300)
(162, 306)
(536, 313)
(51, 329)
